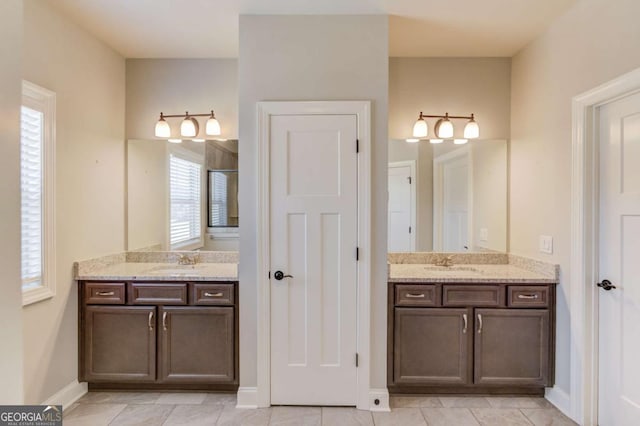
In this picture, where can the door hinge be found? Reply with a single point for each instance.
(357, 145)
(357, 253)
(409, 229)
(356, 359)
(409, 180)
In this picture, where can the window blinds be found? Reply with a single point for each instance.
(31, 161)
(184, 183)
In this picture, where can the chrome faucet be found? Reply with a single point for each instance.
(185, 259)
(445, 261)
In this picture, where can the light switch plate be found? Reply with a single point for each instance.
(484, 234)
(546, 244)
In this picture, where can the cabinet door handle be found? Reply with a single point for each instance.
(150, 321)
(479, 323)
(164, 321)
(415, 296)
(464, 318)
(527, 296)
(105, 293)
(207, 294)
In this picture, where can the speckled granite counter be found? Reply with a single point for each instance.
(159, 266)
(486, 268)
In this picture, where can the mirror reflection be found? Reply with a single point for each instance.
(182, 196)
(446, 197)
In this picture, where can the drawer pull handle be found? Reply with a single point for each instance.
(207, 294)
(105, 293)
(464, 318)
(164, 321)
(415, 296)
(479, 323)
(150, 321)
(527, 296)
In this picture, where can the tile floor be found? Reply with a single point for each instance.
(137, 408)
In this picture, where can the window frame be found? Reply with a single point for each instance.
(187, 155)
(43, 100)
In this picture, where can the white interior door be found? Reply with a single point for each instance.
(455, 212)
(314, 188)
(619, 316)
(401, 215)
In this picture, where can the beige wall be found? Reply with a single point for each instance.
(595, 41)
(11, 390)
(89, 80)
(174, 86)
(459, 86)
(349, 61)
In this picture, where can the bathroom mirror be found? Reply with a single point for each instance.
(446, 197)
(182, 196)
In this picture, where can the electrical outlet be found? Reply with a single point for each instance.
(546, 244)
(484, 234)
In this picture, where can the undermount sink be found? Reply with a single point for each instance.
(175, 269)
(453, 268)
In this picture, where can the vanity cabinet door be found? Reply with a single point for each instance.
(432, 346)
(196, 344)
(120, 344)
(512, 347)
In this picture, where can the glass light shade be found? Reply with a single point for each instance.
(412, 140)
(472, 130)
(460, 141)
(444, 129)
(197, 140)
(213, 127)
(189, 127)
(420, 129)
(436, 140)
(163, 130)
(175, 140)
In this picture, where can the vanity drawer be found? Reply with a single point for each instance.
(104, 293)
(473, 295)
(158, 294)
(521, 296)
(212, 294)
(417, 295)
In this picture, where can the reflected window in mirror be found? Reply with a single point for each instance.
(223, 198)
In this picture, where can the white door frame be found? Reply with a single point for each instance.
(438, 194)
(414, 184)
(584, 243)
(362, 110)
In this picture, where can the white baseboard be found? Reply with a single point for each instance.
(68, 395)
(247, 398)
(382, 397)
(560, 399)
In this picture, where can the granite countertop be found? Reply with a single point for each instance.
(164, 272)
(469, 273)
(159, 266)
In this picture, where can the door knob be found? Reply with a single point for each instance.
(606, 284)
(278, 275)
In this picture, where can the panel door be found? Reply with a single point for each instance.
(400, 233)
(619, 316)
(432, 346)
(313, 236)
(197, 344)
(120, 344)
(511, 347)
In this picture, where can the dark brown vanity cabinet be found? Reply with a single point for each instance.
(154, 336)
(494, 338)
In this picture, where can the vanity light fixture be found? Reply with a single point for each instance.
(189, 127)
(444, 127)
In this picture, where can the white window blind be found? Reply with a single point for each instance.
(31, 172)
(218, 199)
(185, 201)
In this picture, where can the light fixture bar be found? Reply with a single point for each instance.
(462, 117)
(185, 115)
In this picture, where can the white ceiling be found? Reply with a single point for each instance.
(209, 28)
